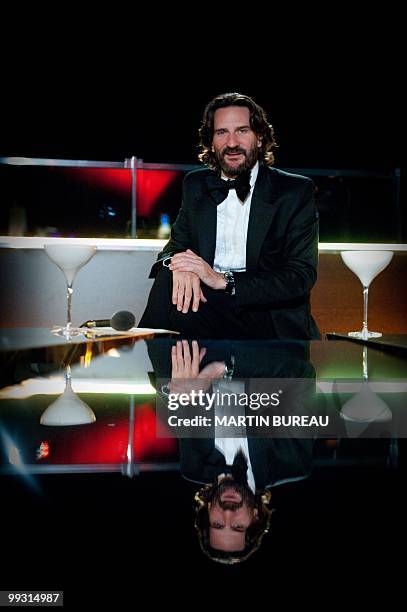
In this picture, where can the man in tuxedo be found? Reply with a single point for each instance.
(242, 257)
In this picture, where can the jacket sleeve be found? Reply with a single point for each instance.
(179, 238)
(293, 279)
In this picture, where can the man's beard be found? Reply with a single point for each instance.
(250, 158)
(247, 495)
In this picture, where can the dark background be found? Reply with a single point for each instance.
(109, 539)
(334, 102)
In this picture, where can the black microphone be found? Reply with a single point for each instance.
(121, 320)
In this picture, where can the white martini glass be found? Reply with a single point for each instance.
(70, 259)
(366, 265)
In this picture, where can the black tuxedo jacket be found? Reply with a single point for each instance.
(281, 250)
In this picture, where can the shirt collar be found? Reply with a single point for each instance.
(254, 173)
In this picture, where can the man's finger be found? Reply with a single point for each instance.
(189, 267)
(175, 285)
(187, 295)
(196, 287)
(195, 358)
(180, 356)
(174, 363)
(180, 296)
(196, 263)
(187, 253)
(187, 353)
(184, 256)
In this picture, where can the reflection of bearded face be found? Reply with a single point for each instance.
(224, 542)
(244, 491)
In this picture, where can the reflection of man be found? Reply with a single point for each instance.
(232, 511)
(231, 519)
(243, 251)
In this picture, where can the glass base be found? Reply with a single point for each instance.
(364, 334)
(68, 332)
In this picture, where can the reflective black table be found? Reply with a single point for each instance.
(99, 489)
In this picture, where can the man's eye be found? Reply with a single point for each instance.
(244, 130)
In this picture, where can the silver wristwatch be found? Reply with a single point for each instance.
(230, 283)
(229, 368)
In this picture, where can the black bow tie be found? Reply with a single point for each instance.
(239, 468)
(220, 189)
(216, 465)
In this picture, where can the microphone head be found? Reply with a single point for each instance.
(123, 320)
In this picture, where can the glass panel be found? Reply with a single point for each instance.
(159, 192)
(351, 209)
(96, 202)
(67, 202)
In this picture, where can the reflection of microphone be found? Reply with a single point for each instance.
(121, 320)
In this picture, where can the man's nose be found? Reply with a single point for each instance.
(232, 140)
(229, 512)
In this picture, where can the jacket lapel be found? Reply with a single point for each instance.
(262, 210)
(206, 225)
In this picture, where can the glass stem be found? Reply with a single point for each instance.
(365, 304)
(365, 364)
(69, 292)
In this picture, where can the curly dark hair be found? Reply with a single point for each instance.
(258, 123)
(254, 534)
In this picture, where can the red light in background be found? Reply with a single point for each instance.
(116, 181)
(147, 445)
(106, 442)
(150, 184)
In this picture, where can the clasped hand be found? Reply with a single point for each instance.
(188, 271)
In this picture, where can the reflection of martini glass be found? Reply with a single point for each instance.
(69, 258)
(68, 409)
(366, 265)
(365, 407)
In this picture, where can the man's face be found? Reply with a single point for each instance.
(234, 143)
(231, 513)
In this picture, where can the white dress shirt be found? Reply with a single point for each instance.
(229, 447)
(230, 254)
(231, 229)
